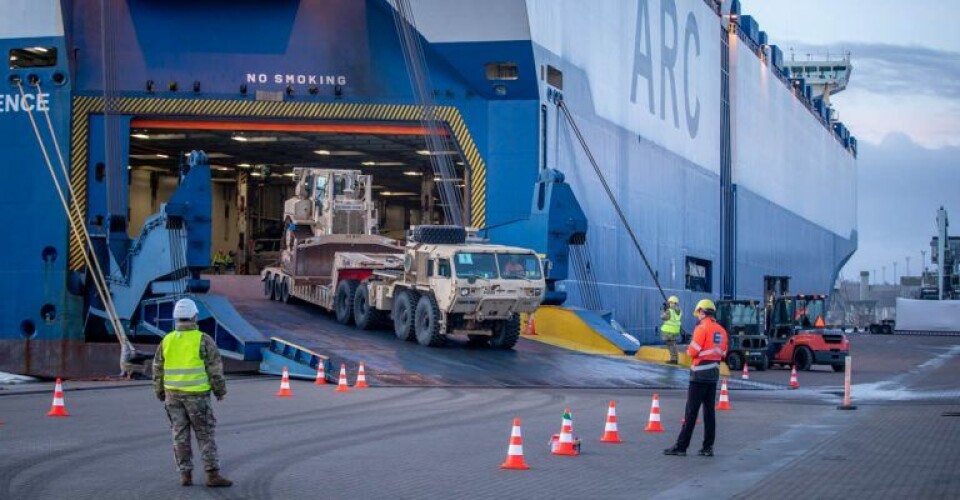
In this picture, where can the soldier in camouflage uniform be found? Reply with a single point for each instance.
(186, 369)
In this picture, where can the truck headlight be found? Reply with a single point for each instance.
(464, 292)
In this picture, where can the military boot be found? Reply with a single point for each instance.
(215, 480)
(186, 478)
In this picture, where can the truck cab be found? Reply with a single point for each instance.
(451, 286)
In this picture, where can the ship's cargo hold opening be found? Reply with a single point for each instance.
(265, 154)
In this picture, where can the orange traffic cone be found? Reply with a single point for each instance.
(794, 383)
(531, 325)
(654, 424)
(285, 391)
(57, 409)
(361, 379)
(321, 374)
(820, 323)
(342, 383)
(565, 444)
(515, 451)
(746, 372)
(610, 432)
(724, 403)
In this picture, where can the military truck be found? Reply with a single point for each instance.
(440, 283)
(452, 286)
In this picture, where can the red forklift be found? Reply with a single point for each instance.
(796, 329)
(787, 330)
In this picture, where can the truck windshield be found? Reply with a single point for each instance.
(519, 266)
(475, 265)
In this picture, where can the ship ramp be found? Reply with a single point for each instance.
(304, 335)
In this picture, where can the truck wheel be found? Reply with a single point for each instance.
(404, 308)
(343, 301)
(506, 333)
(734, 361)
(285, 290)
(277, 282)
(428, 321)
(803, 358)
(268, 286)
(364, 314)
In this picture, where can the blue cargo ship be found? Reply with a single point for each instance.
(723, 155)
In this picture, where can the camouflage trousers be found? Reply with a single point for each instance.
(192, 412)
(671, 342)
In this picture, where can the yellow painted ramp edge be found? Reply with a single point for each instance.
(662, 355)
(561, 327)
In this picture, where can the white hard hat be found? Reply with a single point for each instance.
(185, 309)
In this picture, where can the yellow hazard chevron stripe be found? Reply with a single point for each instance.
(84, 106)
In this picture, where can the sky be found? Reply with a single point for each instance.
(902, 103)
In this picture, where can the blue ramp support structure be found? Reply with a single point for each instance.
(299, 361)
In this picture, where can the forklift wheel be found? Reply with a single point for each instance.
(803, 358)
(734, 361)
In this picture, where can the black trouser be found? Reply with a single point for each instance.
(699, 393)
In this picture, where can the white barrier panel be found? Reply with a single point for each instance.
(928, 315)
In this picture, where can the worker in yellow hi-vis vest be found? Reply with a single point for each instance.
(186, 369)
(670, 330)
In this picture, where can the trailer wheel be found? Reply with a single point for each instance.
(506, 333)
(268, 286)
(343, 301)
(803, 358)
(404, 309)
(734, 361)
(427, 321)
(367, 317)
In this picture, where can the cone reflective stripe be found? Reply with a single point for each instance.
(724, 403)
(746, 372)
(565, 444)
(361, 379)
(321, 374)
(342, 383)
(285, 391)
(794, 383)
(610, 432)
(57, 409)
(515, 450)
(654, 424)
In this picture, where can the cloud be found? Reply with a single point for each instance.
(897, 69)
(900, 186)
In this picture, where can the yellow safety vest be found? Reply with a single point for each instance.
(183, 369)
(672, 325)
